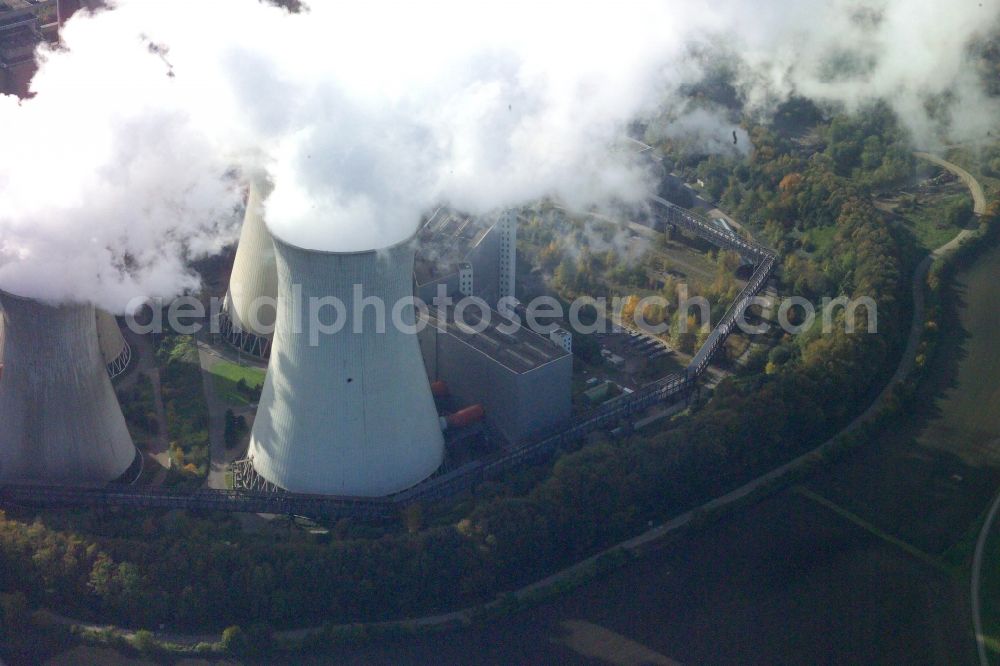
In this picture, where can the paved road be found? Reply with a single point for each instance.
(978, 196)
(977, 568)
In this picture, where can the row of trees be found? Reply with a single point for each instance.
(139, 408)
(235, 428)
(184, 402)
(798, 187)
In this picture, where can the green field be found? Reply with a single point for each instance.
(226, 376)
(925, 222)
(821, 238)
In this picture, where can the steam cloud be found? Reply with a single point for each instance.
(124, 165)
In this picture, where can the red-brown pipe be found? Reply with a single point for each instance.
(466, 417)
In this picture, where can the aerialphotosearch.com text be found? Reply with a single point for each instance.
(356, 312)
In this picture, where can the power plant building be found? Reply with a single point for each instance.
(506, 231)
(61, 422)
(521, 379)
(20, 33)
(248, 312)
(348, 410)
(24, 24)
(468, 256)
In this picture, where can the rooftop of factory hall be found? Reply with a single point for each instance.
(444, 241)
(519, 351)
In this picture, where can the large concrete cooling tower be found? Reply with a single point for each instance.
(351, 412)
(248, 311)
(114, 348)
(60, 421)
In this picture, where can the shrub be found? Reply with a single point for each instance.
(234, 641)
(143, 641)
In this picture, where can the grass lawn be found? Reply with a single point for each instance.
(227, 375)
(925, 223)
(821, 237)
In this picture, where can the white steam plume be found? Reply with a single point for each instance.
(368, 114)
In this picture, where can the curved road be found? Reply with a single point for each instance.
(977, 567)
(978, 196)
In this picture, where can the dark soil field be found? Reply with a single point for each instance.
(930, 478)
(786, 581)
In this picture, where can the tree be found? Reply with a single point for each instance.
(675, 192)
(143, 641)
(234, 641)
(790, 183)
(413, 517)
(549, 256)
(231, 434)
(958, 212)
(586, 347)
(13, 614)
(565, 276)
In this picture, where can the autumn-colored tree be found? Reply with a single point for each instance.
(790, 183)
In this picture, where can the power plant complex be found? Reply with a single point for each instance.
(369, 398)
(376, 393)
(347, 406)
(350, 411)
(61, 422)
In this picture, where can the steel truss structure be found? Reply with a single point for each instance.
(120, 364)
(245, 477)
(248, 343)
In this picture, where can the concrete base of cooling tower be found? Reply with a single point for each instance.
(248, 343)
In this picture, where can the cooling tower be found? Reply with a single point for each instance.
(249, 308)
(351, 412)
(60, 421)
(114, 350)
